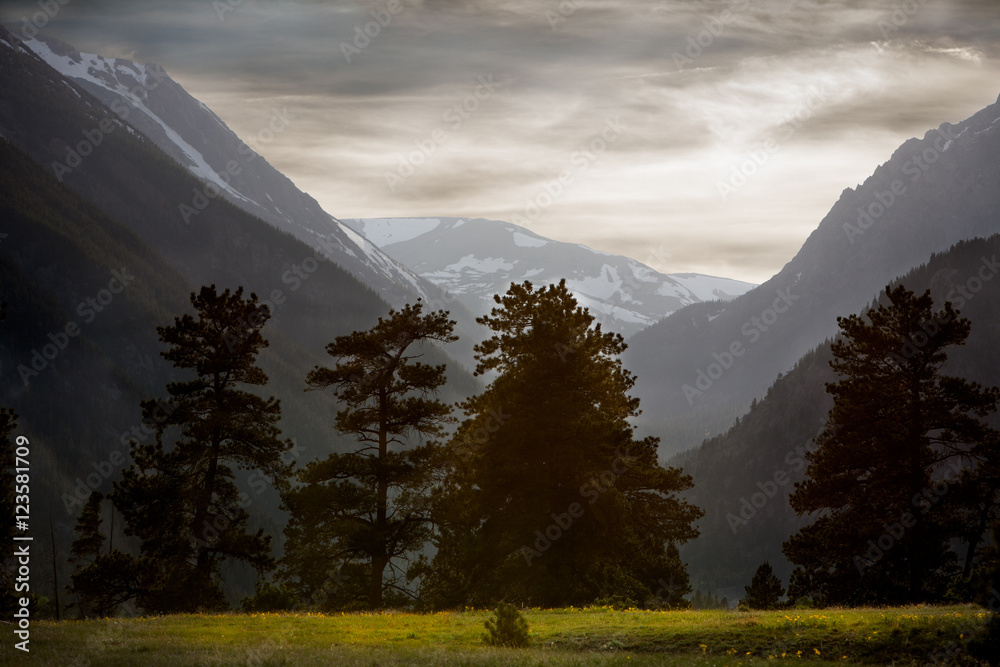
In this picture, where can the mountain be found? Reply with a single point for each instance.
(474, 259)
(742, 478)
(191, 134)
(93, 257)
(702, 366)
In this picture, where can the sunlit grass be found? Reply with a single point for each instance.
(597, 636)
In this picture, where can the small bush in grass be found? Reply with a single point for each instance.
(507, 627)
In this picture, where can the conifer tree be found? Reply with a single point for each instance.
(182, 502)
(86, 548)
(359, 515)
(765, 590)
(898, 435)
(550, 499)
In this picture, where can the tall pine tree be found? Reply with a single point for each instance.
(551, 500)
(182, 502)
(360, 515)
(88, 540)
(898, 433)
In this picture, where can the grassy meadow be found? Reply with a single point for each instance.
(591, 636)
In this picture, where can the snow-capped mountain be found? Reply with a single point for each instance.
(476, 258)
(189, 132)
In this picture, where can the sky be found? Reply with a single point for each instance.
(707, 136)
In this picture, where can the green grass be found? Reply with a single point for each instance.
(593, 636)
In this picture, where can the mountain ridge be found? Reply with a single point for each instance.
(475, 258)
(932, 193)
(198, 139)
(743, 477)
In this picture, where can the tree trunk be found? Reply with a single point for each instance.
(915, 437)
(977, 537)
(55, 570)
(208, 489)
(201, 511)
(379, 556)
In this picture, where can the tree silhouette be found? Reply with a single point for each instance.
(881, 473)
(550, 500)
(765, 590)
(86, 549)
(183, 503)
(360, 513)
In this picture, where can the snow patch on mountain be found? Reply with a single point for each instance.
(115, 77)
(475, 259)
(383, 233)
(145, 98)
(477, 265)
(525, 241)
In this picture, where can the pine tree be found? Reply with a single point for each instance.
(898, 432)
(765, 590)
(550, 499)
(364, 512)
(86, 548)
(183, 502)
(977, 494)
(88, 539)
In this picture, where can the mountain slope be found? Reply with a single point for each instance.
(932, 193)
(190, 133)
(112, 217)
(743, 478)
(476, 258)
(79, 348)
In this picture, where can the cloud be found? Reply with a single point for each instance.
(698, 84)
